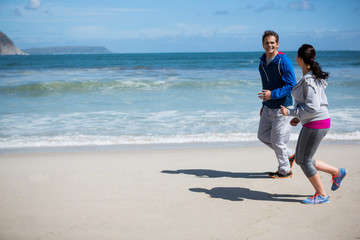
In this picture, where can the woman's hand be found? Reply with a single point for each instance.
(294, 122)
(284, 111)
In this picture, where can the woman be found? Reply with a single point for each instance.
(310, 108)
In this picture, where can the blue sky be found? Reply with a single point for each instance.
(181, 26)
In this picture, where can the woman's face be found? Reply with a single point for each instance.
(299, 61)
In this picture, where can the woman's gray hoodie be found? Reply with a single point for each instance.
(310, 102)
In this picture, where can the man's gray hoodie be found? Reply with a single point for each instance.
(310, 102)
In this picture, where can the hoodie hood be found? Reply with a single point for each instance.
(278, 56)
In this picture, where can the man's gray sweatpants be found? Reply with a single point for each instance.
(274, 131)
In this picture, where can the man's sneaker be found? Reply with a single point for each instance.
(316, 199)
(279, 175)
(292, 161)
(336, 179)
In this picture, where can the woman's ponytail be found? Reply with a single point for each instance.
(308, 54)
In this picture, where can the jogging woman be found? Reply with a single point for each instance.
(310, 108)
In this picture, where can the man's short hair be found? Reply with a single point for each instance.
(270, 33)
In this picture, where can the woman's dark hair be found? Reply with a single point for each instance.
(308, 54)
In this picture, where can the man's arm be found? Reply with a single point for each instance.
(288, 77)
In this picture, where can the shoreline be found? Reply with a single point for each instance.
(158, 146)
(190, 193)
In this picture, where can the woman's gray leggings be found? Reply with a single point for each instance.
(308, 142)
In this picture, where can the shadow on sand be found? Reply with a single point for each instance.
(235, 193)
(217, 174)
(239, 194)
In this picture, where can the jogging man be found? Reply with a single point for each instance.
(278, 79)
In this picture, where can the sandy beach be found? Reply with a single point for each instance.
(220, 193)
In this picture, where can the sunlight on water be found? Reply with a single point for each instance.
(127, 99)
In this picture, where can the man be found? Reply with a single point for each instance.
(278, 80)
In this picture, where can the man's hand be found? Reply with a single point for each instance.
(265, 95)
(261, 110)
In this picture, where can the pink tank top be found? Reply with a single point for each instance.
(321, 124)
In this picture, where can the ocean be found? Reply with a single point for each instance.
(74, 102)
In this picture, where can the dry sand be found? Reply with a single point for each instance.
(220, 193)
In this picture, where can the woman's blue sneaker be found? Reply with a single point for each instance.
(316, 199)
(336, 179)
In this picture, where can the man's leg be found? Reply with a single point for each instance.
(264, 130)
(280, 136)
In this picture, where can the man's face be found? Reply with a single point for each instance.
(270, 45)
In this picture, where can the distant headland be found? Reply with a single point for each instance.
(67, 50)
(7, 47)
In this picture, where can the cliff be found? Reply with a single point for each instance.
(67, 50)
(7, 47)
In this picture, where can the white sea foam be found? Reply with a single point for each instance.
(54, 101)
(86, 140)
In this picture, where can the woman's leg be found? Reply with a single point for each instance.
(325, 167)
(317, 184)
(308, 142)
(316, 181)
